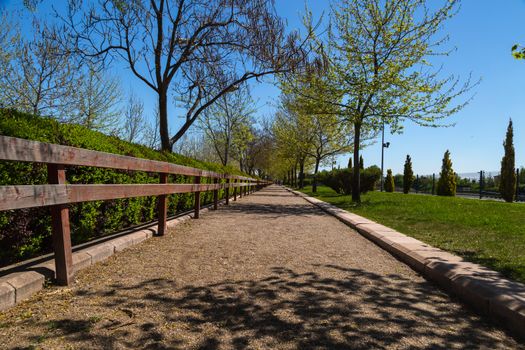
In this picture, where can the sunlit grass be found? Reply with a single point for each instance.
(490, 233)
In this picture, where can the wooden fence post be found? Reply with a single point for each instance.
(235, 190)
(197, 198)
(61, 231)
(215, 195)
(162, 207)
(227, 192)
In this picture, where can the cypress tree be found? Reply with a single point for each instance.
(447, 178)
(350, 163)
(361, 163)
(507, 184)
(408, 175)
(389, 182)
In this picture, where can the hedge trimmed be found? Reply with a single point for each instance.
(26, 233)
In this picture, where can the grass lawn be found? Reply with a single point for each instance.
(490, 233)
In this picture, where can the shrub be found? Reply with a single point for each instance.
(408, 175)
(507, 185)
(447, 178)
(340, 180)
(26, 233)
(389, 182)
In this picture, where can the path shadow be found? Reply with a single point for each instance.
(331, 307)
(275, 210)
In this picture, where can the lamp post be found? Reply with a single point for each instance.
(383, 146)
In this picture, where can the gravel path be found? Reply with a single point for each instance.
(268, 272)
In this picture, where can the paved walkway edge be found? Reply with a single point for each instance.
(485, 290)
(18, 286)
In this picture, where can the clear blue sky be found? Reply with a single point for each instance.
(482, 32)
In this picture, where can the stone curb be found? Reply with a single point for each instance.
(485, 290)
(18, 286)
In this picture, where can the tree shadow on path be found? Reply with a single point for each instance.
(327, 307)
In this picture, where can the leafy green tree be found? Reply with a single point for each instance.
(447, 178)
(389, 182)
(294, 138)
(518, 52)
(408, 175)
(226, 122)
(349, 162)
(328, 137)
(379, 51)
(361, 163)
(507, 185)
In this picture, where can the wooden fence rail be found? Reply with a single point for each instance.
(58, 194)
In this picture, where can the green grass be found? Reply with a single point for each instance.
(490, 233)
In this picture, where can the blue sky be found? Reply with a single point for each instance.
(482, 32)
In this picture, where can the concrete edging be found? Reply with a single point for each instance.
(485, 290)
(18, 286)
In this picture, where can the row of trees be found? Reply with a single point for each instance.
(446, 185)
(374, 64)
(195, 56)
(371, 68)
(39, 77)
(448, 178)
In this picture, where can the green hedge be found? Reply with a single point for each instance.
(26, 233)
(340, 180)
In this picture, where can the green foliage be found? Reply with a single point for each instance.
(507, 185)
(389, 182)
(340, 180)
(380, 51)
(518, 52)
(408, 175)
(447, 178)
(349, 162)
(361, 163)
(26, 233)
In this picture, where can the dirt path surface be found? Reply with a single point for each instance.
(270, 271)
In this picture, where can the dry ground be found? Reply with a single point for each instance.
(268, 272)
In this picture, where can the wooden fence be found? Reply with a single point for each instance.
(58, 194)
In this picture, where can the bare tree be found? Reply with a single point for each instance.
(171, 45)
(96, 101)
(9, 37)
(150, 136)
(39, 78)
(134, 121)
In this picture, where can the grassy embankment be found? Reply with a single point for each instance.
(490, 233)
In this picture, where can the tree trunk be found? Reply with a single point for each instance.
(301, 174)
(356, 183)
(163, 121)
(227, 153)
(314, 182)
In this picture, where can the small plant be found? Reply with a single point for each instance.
(408, 175)
(389, 182)
(447, 178)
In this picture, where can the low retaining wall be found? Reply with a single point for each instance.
(485, 290)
